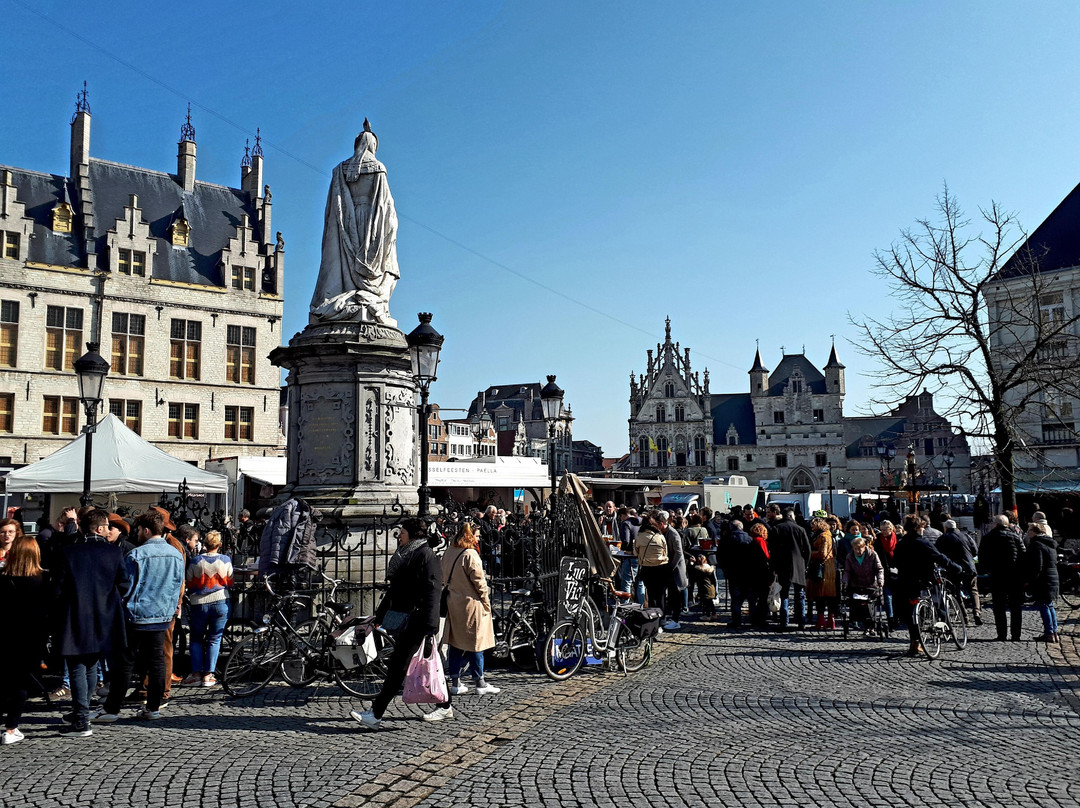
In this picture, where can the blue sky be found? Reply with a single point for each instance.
(567, 174)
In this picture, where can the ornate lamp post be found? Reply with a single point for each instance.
(828, 470)
(424, 346)
(950, 458)
(551, 397)
(90, 370)
(480, 430)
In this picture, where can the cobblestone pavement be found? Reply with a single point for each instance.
(717, 719)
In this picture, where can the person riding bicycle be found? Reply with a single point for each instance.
(864, 574)
(915, 559)
(961, 549)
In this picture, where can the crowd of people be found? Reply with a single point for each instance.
(790, 574)
(105, 593)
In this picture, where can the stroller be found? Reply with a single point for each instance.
(865, 607)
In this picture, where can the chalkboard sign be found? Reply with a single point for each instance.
(573, 585)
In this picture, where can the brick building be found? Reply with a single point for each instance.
(178, 279)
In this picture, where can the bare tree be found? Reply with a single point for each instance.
(966, 323)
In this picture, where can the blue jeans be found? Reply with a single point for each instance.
(456, 659)
(1049, 617)
(800, 605)
(628, 580)
(207, 625)
(83, 670)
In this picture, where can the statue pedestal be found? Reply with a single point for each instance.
(351, 419)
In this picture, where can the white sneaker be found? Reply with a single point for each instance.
(14, 736)
(487, 690)
(367, 718)
(458, 690)
(439, 713)
(99, 716)
(671, 625)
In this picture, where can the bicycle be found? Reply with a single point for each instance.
(1069, 581)
(318, 646)
(939, 616)
(518, 633)
(584, 634)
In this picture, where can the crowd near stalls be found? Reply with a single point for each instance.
(778, 571)
(104, 595)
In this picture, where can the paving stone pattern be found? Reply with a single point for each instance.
(717, 719)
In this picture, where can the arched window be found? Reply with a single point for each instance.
(680, 412)
(699, 451)
(669, 389)
(680, 451)
(661, 413)
(643, 450)
(801, 481)
(662, 451)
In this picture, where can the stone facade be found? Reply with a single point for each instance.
(177, 279)
(790, 427)
(518, 420)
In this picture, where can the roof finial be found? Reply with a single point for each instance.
(81, 104)
(187, 131)
(246, 162)
(257, 151)
(367, 126)
(667, 328)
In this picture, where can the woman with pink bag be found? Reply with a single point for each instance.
(415, 588)
(469, 628)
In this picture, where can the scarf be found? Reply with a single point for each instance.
(859, 558)
(400, 556)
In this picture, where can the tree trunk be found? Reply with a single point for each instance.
(1004, 463)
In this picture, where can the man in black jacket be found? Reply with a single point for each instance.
(732, 559)
(1000, 554)
(789, 552)
(415, 589)
(915, 558)
(961, 550)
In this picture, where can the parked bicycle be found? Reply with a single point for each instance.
(1069, 581)
(623, 642)
(353, 653)
(520, 632)
(939, 616)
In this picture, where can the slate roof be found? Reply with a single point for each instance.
(733, 408)
(514, 396)
(41, 193)
(212, 211)
(887, 428)
(779, 377)
(1055, 244)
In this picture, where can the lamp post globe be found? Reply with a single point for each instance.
(90, 370)
(425, 344)
(551, 398)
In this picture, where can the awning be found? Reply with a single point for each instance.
(505, 472)
(1046, 486)
(263, 470)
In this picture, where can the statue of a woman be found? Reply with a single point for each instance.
(359, 266)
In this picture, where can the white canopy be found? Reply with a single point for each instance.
(122, 462)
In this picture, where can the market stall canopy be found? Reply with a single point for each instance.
(264, 470)
(122, 462)
(504, 472)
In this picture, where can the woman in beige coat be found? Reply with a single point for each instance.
(469, 630)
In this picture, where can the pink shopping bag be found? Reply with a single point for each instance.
(424, 681)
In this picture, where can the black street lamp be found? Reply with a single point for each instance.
(828, 470)
(91, 370)
(950, 458)
(480, 429)
(424, 346)
(551, 397)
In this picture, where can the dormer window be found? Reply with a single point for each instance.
(180, 233)
(669, 389)
(243, 278)
(61, 218)
(132, 262)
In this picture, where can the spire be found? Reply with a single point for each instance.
(759, 366)
(256, 150)
(187, 131)
(833, 361)
(246, 161)
(667, 329)
(81, 104)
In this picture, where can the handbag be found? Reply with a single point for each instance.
(817, 571)
(444, 601)
(394, 623)
(424, 681)
(774, 597)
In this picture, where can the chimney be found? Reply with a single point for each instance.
(185, 155)
(252, 179)
(80, 134)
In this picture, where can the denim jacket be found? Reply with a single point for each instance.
(156, 571)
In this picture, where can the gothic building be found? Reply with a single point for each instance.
(518, 419)
(180, 282)
(789, 429)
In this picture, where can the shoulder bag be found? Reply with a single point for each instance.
(444, 602)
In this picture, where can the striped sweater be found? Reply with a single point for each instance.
(208, 577)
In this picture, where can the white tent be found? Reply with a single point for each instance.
(122, 462)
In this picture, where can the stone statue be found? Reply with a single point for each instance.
(359, 266)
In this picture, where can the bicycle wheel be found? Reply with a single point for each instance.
(1069, 590)
(252, 662)
(956, 619)
(522, 646)
(300, 665)
(365, 681)
(635, 657)
(564, 651)
(925, 617)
